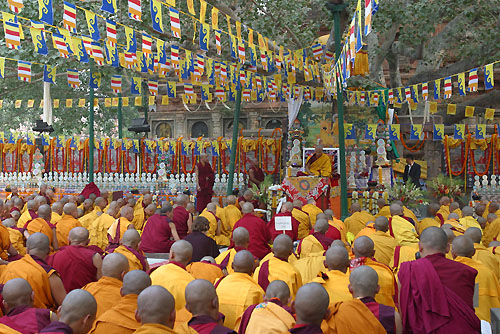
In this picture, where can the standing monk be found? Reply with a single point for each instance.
(181, 217)
(68, 222)
(42, 224)
(286, 211)
(435, 282)
(77, 264)
(318, 164)
(205, 178)
(130, 249)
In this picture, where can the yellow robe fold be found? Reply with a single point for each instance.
(336, 284)
(310, 267)
(309, 246)
(90, 217)
(385, 211)
(404, 232)
(155, 329)
(425, 223)
(17, 240)
(312, 210)
(133, 262)
(281, 270)
(408, 213)
(206, 271)
(231, 252)
(98, 230)
(351, 317)
(66, 224)
(23, 219)
(230, 215)
(106, 292)
(120, 319)
(321, 166)
(303, 219)
(488, 288)
(484, 256)
(402, 254)
(268, 318)
(236, 293)
(444, 210)
(138, 220)
(339, 225)
(222, 239)
(384, 246)
(55, 218)
(357, 221)
(491, 232)
(469, 222)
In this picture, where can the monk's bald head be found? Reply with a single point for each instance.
(454, 206)
(201, 298)
(449, 233)
(45, 212)
(38, 244)
(321, 216)
(453, 216)
(282, 246)
(131, 238)
(462, 246)
(134, 282)
(41, 200)
(363, 282)
(433, 209)
(247, 207)
(474, 234)
(337, 258)
(467, 211)
(231, 200)
(127, 212)
(78, 308)
(115, 265)
(241, 237)
(381, 202)
(298, 204)
(321, 226)
(329, 214)
(355, 207)
(243, 262)
(278, 289)
(17, 292)
(493, 207)
(155, 305)
(57, 207)
(211, 207)
(444, 201)
(181, 251)
(311, 304)
(70, 209)
(396, 209)
(9, 222)
(381, 224)
(287, 207)
(433, 240)
(79, 236)
(150, 210)
(363, 247)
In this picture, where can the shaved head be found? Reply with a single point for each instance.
(101, 202)
(337, 258)
(493, 207)
(311, 304)
(211, 207)
(247, 207)
(41, 200)
(70, 209)
(462, 246)
(396, 209)
(454, 206)
(38, 244)
(321, 226)
(282, 246)
(57, 207)
(231, 200)
(241, 237)
(444, 201)
(491, 217)
(449, 233)
(298, 204)
(201, 298)
(32, 205)
(453, 216)
(131, 238)
(78, 236)
(181, 251)
(287, 207)
(433, 240)
(321, 216)
(9, 222)
(433, 209)
(363, 282)
(474, 234)
(467, 211)
(278, 289)
(243, 262)
(115, 265)
(355, 207)
(381, 224)
(134, 282)
(127, 212)
(45, 212)
(155, 305)
(328, 213)
(381, 202)
(363, 247)
(78, 307)
(17, 292)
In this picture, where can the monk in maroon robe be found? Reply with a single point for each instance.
(311, 308)
(436, 294)
(259, 235)
(21, 315)
(255, 174)
(77, 264)
(181, 217)
(159, 232)
(205, 177)
(286, 211)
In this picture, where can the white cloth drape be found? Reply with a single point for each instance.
(47, 104)
(293, 108)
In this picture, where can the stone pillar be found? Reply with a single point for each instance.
(253, 121)
(180, 126)
(216, 124)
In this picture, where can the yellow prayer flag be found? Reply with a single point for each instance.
(238, 30)
(41, 103)
(81, 103)
(489, 113)
(18, 104)
(171, 3)
(190, 5)
(56, 103)
(469, 111)
(250, 38)
(138, 101)
(164, 100)
(125, 101)
(151, 101)
(114, 102)
(215, 18)
(228, 20)
(397, 105)
(203, 10)
(31, 103)
(69, 103)
(433, 107)
(452, 109)
(96, 102)
(107, 102)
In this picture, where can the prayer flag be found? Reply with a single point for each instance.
(489, 80)
(79, 50)
(489, 114)
(317, 51)
(49, 74)
(97, 53)
(116, 83)
(218, 42)
(204, 36)
(111, 32)
(203, 11)
(469, 111)
(371, 131)
(459, 131)
(368, 16)
(16, 5)
(175, 22)
(174, 52)
(394, 132)
(171, 89)
(134, 9)
(131, 40)
(416, 132)
(12, 35)
(480, 131)
(190, 5)
(438, 133)
(461, 84)
(156, 15)
(215, 18)
(135, 87)
(425, 91)
(447, 88)
(2, 67)
(452, 109)
(350, 132)
(437, 87)
(38, 38)
(24, 71)
(92, 25)
(45, 12)
(473, 80)
(95, 80)
(73, 78)
(109, 6)
(147, 43)
(69, 16)
(153, 87)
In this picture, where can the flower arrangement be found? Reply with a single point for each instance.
(443, 185)
(409, 194)
(261, 193)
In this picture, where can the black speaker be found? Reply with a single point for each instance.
(41, 126)
(139, 125)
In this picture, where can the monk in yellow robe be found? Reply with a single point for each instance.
(468, 220)
(42, 224)
(358, 219)
(363, 249)
(278, 267)
(29, 214)
(455, 208)
(384, 244)
(216, 230)
(156, 311)
(106, 290)
(431, 220)
(138, 210)
(400, 228)
(120, 318)
(231, 214)
(68, 222)
(46, 284)
(317, 242)
(493, 207)
(336, 279)
(238, 290)
(174, 277)
(57, 212)
(487, 281)
(401, 255)
(273, 316)
(444, 210)
(495, 249)
(383, 208)
(312, 210)
(7, 330)
(99, 204)
(310, 267)
(492, 230)
(318, 164)
(367, 231)
(482, 254)
(337, 223)
(206, 269)
(363, 314)
(98, 230)
(302, 218)
(117, 229)
(241, 239)
(15, 236)
(130, 249)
